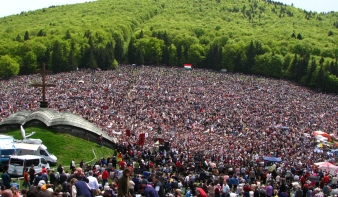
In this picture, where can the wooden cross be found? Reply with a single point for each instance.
(43, 103)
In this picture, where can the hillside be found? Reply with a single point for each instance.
(251, 36)
(66, 147)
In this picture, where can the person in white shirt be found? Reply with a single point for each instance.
(278, 178)
(334, 182)
(93, 183)
(180, 185)
(131, 187)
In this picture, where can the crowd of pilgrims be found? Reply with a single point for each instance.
(231, 120)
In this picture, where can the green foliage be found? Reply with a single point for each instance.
(210, 34)
(8, 66)
(29, 63)
(26, 37)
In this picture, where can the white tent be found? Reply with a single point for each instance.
(328, 167)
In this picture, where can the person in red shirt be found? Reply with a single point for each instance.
(326, 179)
(122, 164)
(200, 192)
(26, 183)
(105, 176)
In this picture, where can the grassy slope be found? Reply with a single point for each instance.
(64, 146)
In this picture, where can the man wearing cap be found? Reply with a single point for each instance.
(149, 191)
(38, 178)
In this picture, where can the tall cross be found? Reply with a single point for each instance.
(43, 103)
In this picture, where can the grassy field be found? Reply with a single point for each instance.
(66, 147)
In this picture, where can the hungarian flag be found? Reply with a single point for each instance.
(188, 66)
(206, 163)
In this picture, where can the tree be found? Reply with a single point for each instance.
(41, 33)
(293, 35)
(196, 55)
(250, 58)
(275, 66)
(8, 67)
(29, 63)
(118, 49)
(131, 55)
(214, 57)
(165, 55)
(115, 64)
(26, 37)
(172, 55)
(139, 56)
(68, 35)
(299, 36)
(57, 61)
(292, 69)
(320, 80)
(238, 63)
(72, 61)
(310, 72)
(88, 57)
(18, 38)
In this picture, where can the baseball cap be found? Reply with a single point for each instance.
(144, 182)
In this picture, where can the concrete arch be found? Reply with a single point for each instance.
(61, 122)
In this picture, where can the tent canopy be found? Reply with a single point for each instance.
(328, 167)
(272, 159)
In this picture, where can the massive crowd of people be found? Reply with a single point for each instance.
(251, 116)
(226, 118)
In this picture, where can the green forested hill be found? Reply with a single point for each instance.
(250, 36)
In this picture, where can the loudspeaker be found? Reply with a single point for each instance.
(161, 148)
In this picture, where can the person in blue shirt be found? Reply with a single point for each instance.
(6, 179)
(235, 182)
(146, 174)
(136, 180)
(230, 182)
(15, 184)
(149, 191)
(188, 194)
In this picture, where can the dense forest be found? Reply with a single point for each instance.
(260, 37)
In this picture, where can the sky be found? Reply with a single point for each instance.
(10, 7)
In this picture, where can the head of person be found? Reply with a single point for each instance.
(78, 172)
(7, 193)
(72, 181)
(127, 172)
(32, 192)
(44, 193)
(143, 184)
(154, 178)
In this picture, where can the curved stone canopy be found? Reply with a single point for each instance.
(52, 118)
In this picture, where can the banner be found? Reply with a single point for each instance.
(141, 139)
(128, 132)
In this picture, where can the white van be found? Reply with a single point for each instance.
(36, 149)
(17, 164)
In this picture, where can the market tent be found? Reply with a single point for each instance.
(328, 167)
(272, 159)
(322, 133)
